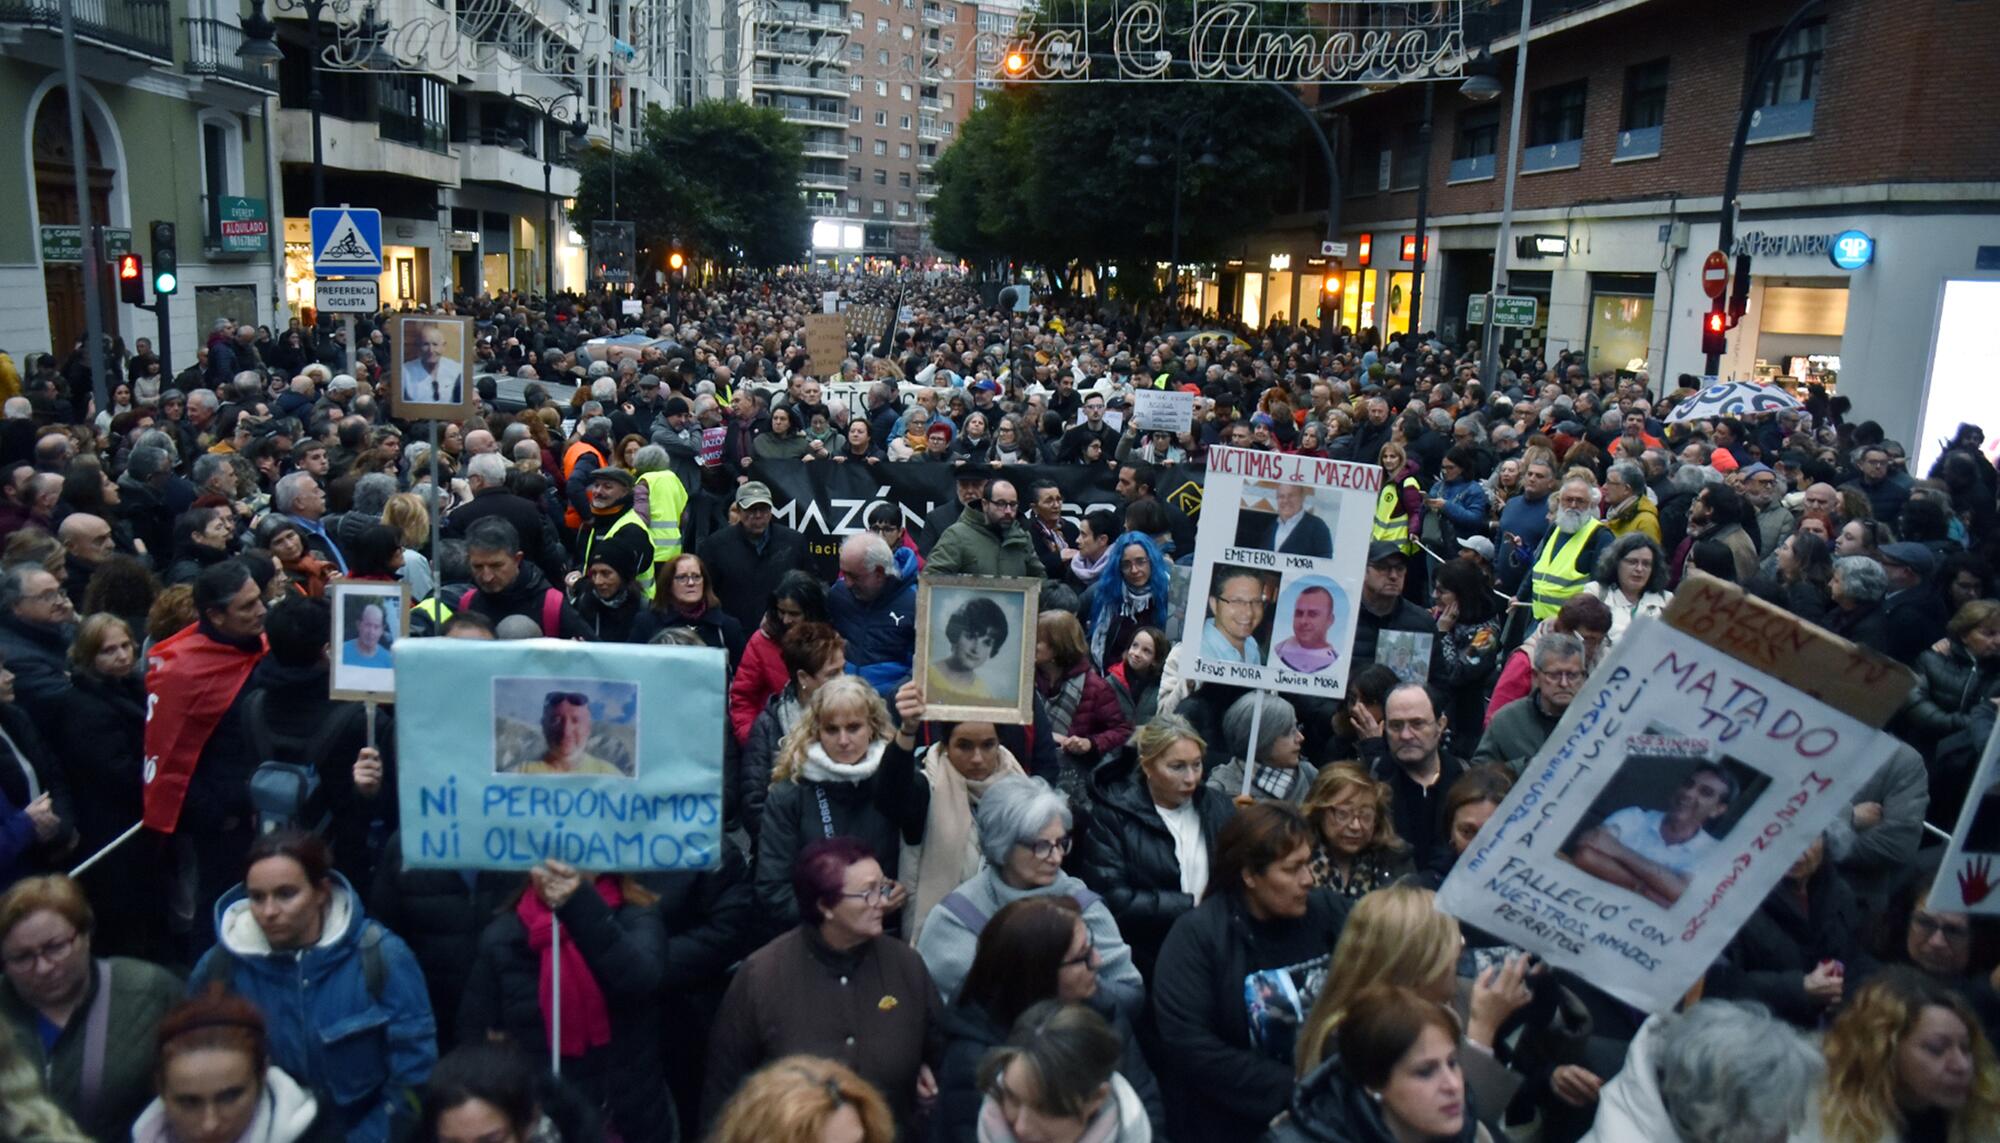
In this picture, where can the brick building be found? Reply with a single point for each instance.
(1877, 119)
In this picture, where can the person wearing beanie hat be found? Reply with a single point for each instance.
(611, 513)
(606, 596)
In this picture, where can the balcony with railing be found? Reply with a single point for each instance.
(936, 17)
(811, 116)
(141, 27)
(800, 45)
(823, 149)
(827, 19)
(929, 129)
(211, 52)
(777, 80)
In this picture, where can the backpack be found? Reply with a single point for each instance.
(374, 969)
(285, 788)
(552, 605)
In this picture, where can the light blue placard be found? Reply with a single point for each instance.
(603, 755)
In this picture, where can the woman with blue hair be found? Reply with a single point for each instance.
(1117, 606)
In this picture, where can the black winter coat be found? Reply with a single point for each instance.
(717, 628)
(31, 752)
(1949, 688)
(625, 951)
(710, 921)
(792, 821)
(1784, 940)
(1327, 1107)
(969, 1033)
(99, 743)
(441, 918)
(1130, 857)
(1219, 1084)
(742, 576)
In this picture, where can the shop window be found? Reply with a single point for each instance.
(1621, 322)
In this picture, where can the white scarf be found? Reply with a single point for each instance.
(820, 768)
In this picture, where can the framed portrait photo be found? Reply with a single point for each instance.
(369, 619)
(430, 373)
(976, 648)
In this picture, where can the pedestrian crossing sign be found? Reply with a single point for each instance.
(346, 240)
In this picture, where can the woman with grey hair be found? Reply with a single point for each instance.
(1024, 834)
(1631, 580)
(1857, 587)
(1281, 772)
(1721, 1072)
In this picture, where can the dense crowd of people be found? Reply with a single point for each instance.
(1162, 908)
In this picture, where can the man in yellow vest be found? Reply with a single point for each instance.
(1569, 552)
(661, 500)
(611, 513)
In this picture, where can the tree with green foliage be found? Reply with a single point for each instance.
(718, 181)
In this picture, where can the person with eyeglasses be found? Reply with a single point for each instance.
(65, 1006)
(1025, 834)
(836, 985)
(690, 596)
(1356, 849)
(1235, 611)
(987, 539)
(1149, 846)
(1519, 728)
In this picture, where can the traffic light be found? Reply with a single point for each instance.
(166, 262)
(1715, 331)
(1739, 291)
(1332, 286)
(1016, 63)
(131, 280)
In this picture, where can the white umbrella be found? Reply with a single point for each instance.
(1733, 399)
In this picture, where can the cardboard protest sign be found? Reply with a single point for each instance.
(1678, 788)
(712, 441)
(1967, 878)
(606, 756)
(826, 342)
(1162, 410)
(1279, 557)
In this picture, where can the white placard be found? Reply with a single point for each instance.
(829, 302)
(1678, 788)
(1278, 561)
(632, 306)
(1967, 877)
(347, 295)
(1163, 410)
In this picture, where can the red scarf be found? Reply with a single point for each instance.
(191, 681)
(586, 1020)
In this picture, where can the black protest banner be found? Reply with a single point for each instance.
(830, 501)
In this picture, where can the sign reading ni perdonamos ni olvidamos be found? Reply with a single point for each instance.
(605, 756)
(1680, 785)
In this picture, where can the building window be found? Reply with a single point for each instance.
(1407, 169)
(906, 123)
(853, 205)
(878, 208)
(881, 24)
(881, 119)
(950, 100)
(881, 146)
(856, 52)
(904, 91)
(854, 144)
(881, 177)
(909, 33)
(882, 56)
(902, 150)
(1794, 75)
(881, 88)
(857, 19)
(1557, 115)
(903, 178)
(1478, 133)
(854, 83)
(902, 210)
(854, 114)
(854, 174)
(1645, 96)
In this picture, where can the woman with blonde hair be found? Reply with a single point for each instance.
(1396, 937)
(805, 1099)
(1355, 847)
(406, 513)
(27, 1115)
(1907, 1059)
(824, 785)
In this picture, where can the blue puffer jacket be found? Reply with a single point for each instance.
(364, 1054)
(881, 635)
(1464, 505)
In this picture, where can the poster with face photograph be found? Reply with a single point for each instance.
(1279, 557)
(1679, 787)
(976, 647)
(603, 755)
(369, 619)
(430, 373)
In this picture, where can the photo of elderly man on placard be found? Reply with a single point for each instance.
(433, 365)
(1295, 529)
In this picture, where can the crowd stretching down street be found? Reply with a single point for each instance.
(1166, 907)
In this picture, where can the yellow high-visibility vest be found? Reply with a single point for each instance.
(666, 503)
(627, 519)
(1388, 524)
(1556, 575)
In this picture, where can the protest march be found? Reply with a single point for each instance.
(842, 707)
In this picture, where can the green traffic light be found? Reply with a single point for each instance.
(165, 283)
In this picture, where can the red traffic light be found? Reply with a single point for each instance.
(131, 280)
(129, 269)
(1717, 321)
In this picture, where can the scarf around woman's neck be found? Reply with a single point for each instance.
(949, 853)
(820, 768)
(1132, 602)
(586, 1019)
(1087, 571)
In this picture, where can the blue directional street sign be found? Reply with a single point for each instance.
(346, 240)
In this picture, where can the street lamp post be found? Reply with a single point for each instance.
(1489, 339)
(1146, 160)
(555, 112)
(260, 46)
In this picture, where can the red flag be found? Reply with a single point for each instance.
(190, 681)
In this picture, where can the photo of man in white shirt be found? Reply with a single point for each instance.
(430, 376)
(1655, 852)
